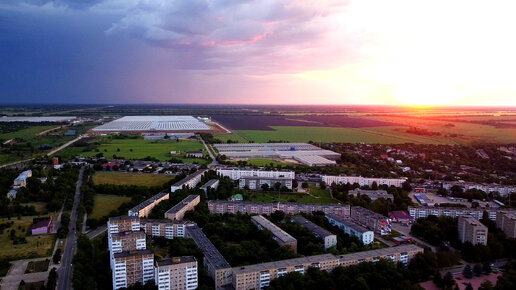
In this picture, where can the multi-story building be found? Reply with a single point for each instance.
(237, 173)
(214, 183)
(176, 273)
(144, 208)
(329, 179)
(279, 235)
(259, 276)
(400, 254)
(506, 221)
(472, 230)
(123, 224)
(371, 220)
(256, 183)
(127, 241)
(164, 228)
(425, 211)
(132, 267)
(21, 180)
(190, 181)
(177, 212)
(503, 190)
(351, 228)
(265, 208)
(329, 239)
(372, 194)
(214, 263)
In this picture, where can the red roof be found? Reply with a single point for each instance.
(400, 215)
(110, 164)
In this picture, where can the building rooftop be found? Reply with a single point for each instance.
(211, 253)
(153, 123)
(349, 223)
(176, 261)
(189, 177)
(473, 221)
(366, 212)
(276, 204)
(315, 229)
(180, 205)
(132, 253)
(209, 183)
(264, 177)
(148, 202)
(275, 230)
(283, 263)
(134, 234)
(41, 222)
(121, 218)
(400, 214)
(163, 221)
(378, 253)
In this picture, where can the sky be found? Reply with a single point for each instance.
(396, 52)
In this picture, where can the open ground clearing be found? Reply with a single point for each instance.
(138, 179)
(104, 204)
(37, 266)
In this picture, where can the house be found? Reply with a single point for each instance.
(41, 226)
(194, 154)
(21, 180)
(12, 194)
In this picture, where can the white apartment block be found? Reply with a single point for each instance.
(163, 228)
(351, 228)
(362, 181)
(237, 173)
(423, 212)
(176, 273)
(132, 267)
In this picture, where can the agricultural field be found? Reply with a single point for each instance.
(104, 204)
(140, 149)
(138, 179)
(314, 195)
(233, 137)
(36, 246)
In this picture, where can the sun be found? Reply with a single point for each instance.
(425, 94)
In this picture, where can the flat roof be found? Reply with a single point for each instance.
(366, 212)
(148, 201)
(128, 233)
(265, 177)
(209, 183)
(180, 205)
(132, 253)
(315, 159)
(349, 223)
(163, 221)
(275, 230)
(315, 229)
(37, 119)
(379, 252)
(120, 218)
(153, 123)
(176, 261)
(211, 254)
(189, 177)
(276, 203)
(284, 263)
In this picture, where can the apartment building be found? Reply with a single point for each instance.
(163, 228)
(265, 208)
(329, 239)
(371, 220)
(214, 263)
(123, 224)
(177, 212)
(256, 183)
(424, 211)
(279, 235)
(190, 181)
(132, 267)
(362, 181)
(127, 241)
(472, 230)
(503, 190)
(179, 273)
(144, 208)
(237, 173)
(372, 194)
(399, 254)
(214, 183)
(259, 276)
(506, 221)
(351, 228)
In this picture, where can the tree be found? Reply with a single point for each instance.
(469, 287)
(322, 185)
(486, 267)
(57, 256)
(52, 279)
(477, 269)
(304, 185)
(486, 285)
(265, 187)
(467, 272)
(448, 281)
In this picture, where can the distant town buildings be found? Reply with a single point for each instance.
(190, 181)
(194, 154)
(351, 228)
(506, 221)
(279, 235)
(177, 212)
(400, 254)
(144, 208)
(424, 211)
(371, 220)
(362, 181)
(329, 239)
(472, 230)
(503, 190)
(237, 173)
(265, 208)
(372, 194)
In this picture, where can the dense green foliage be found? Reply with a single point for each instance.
(91, 264)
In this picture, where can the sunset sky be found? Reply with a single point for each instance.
(397, 52)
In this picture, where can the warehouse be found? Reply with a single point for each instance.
(152, 124)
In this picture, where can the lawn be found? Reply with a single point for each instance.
(27, 133)
(41, 207)
(104, 204)
(37, 266)
(36, 246)
(140, 148)
(315, 196)
(139, 179)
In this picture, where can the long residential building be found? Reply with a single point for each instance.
(132, 267)
(256, 183)
(190, 181)
(351, 228)
(279, 235)
(503, 190)
(372, 194)
(214, 263)
(144, 208)
(123, 224)
(506, 221)
(177, 212)
(164, 228)
(472, 230)
(329, 239)
(371, 220)
(399, 254)
(176, 273)
(127, 241)
(265, 208)
(425, 211)
(237, 173)
(362, 181)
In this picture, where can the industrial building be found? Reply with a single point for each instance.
(144, 208)
(472, 230)
(371, 220)
(351, 228)
(37, 119)
(236, 173)
(132, 267)
(190, 181)
(305, 153)
(266, 208)
(279, 235)
(176, 273)
(362, 181)
(372, 194)
(329, 239)
(153, 124)
(506, 221)
(256, 183)
(163, 228)
(424, 211)
(177, 212)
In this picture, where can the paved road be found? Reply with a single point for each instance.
(17, 273)
(460, 268)
(405, 230)
(96, 232)
(214, 163)
(65, 272)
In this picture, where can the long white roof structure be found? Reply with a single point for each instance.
(153, 123)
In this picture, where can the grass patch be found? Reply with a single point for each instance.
(37, 266)
(41, 207)
(232, 136)
(119, 178)
(27, 133)
(36, 246)
(394, 234)
(104, 204)
(315, 196)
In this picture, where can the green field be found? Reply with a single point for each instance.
(139, 179)
(140, 148)
(315, 196)
(41, 207)
(36, 246)
(233, 136)
(104, 204)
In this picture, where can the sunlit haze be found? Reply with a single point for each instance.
(397, 52)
